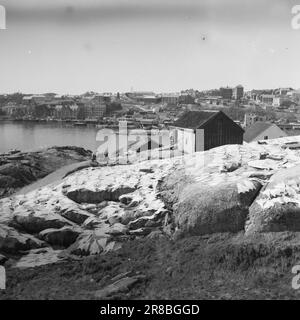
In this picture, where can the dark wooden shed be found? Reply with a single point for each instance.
(218, 128)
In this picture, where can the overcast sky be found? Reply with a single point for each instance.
(71, 46)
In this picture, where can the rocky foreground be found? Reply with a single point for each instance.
(18, 169)
(238, 189)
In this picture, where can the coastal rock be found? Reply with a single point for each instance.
(3, 259)
(90, 228)
(21, 169)
(97, 196)
(230, 166)
(92, 223)
(91, 242)
(131, 200)
(95, 186)
(147, 221)
(62, 237)
(7, 207)
(118, 229)
(94, 208)
(277, 208)
(223, 208)
(36, 221)
(75, 215)
(266, 164)
(12, 241)
(21, 174)
(262, 175)
(7, 181)
(39, 257)
(97, 209)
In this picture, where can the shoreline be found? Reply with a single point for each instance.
(53, 178)
(22, 169)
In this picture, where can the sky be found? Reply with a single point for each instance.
(74, 46)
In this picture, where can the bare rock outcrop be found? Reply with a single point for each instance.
(97, 196)
(39, 257)
(12, 241)
(62, 237)
(18, 169)
(39, 220)
(277, 208)
(97, 209)
(80, 225)
(224, 208)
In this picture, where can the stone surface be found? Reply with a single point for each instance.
(95, 210)
(63, 237)
(277, 208)
(39, 257)
(38, 220)
(118, 229)
(223, 208)
(84, 195)
(75, 215)
(3, 259)
(12, 241)
(22, 169)
(91, 242)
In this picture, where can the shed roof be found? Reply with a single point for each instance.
(195, 119)
(256, 129)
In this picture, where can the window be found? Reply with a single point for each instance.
(265, 137)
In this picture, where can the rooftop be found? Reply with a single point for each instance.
(256, 129)
(195, 119)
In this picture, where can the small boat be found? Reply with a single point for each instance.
(80, 124)
(13, 151)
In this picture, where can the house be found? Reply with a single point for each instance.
(263, 131)
(14, 110)
(65, 111)
(251, 118)
(277, 101)
(186, 98)
(238, 92)
(170, 98)
(94, 107)
(226, 93)
(267, 99)
(203, 130)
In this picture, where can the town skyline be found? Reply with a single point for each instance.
(148, 90)
(164, 46)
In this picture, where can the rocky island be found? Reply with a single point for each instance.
(223, 223)
(18, 169)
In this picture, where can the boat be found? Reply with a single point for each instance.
(80, 124)
(13, 151)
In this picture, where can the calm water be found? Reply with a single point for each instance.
(27, 136)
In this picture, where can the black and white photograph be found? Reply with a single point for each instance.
(149, 151)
